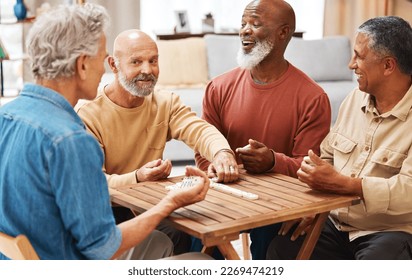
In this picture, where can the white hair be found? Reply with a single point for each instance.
(131, 85)
(60, 36)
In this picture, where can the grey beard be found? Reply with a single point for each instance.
(132, 87)
(259, 52)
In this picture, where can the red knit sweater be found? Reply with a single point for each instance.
(290, 115)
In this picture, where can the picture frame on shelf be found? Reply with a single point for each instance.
(182, 21)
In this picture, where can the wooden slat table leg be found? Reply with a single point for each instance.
(228, 251)
(245, 245)
(312, 236)
(208, 250)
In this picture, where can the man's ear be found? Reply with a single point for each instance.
(81, 66)
(389, 65)
(284, 31)
(112, 64)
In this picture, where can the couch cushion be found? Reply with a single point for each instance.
(191, 97)
(337, 91)
(325, 59)
(182, 63)
(177, 150)
(221, 53)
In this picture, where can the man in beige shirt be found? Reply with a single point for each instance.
(132, 123)
(367, 153)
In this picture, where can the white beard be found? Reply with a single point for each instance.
(132, 87)
(259, 52)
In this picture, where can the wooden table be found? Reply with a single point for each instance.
(221, 217)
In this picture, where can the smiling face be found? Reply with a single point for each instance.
(368, 65)
(136, 61)
(266, 29)
(256, 27)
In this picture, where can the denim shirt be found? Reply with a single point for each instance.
(52, 188)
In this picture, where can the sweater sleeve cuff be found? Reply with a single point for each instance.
(116, 180)
(272, 169)
(225, 150)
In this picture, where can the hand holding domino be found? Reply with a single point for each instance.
(188, 182)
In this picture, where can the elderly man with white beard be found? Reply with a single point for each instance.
(132, 122)
(270, 112)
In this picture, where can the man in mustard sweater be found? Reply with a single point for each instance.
(132, 122)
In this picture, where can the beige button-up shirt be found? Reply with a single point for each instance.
(377, 148)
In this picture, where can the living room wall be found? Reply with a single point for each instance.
(151, 15)
(403, 8)
(343, 17)
(227, 15)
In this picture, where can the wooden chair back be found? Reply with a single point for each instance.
(17, 248)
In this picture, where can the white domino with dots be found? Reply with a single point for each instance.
(186, 183)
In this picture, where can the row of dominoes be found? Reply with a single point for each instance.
(190, 181)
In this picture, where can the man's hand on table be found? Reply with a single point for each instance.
(224, 167)
(256, 157)
(322, 176)
(154, 170)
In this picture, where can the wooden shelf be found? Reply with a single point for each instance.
(15, 21)
(173, 36)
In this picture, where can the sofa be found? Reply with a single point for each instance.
(186, 65)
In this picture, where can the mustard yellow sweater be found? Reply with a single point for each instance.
(132, 137)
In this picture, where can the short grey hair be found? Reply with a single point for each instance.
(390, 35)
(60, 36)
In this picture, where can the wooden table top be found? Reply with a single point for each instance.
(223, 216)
